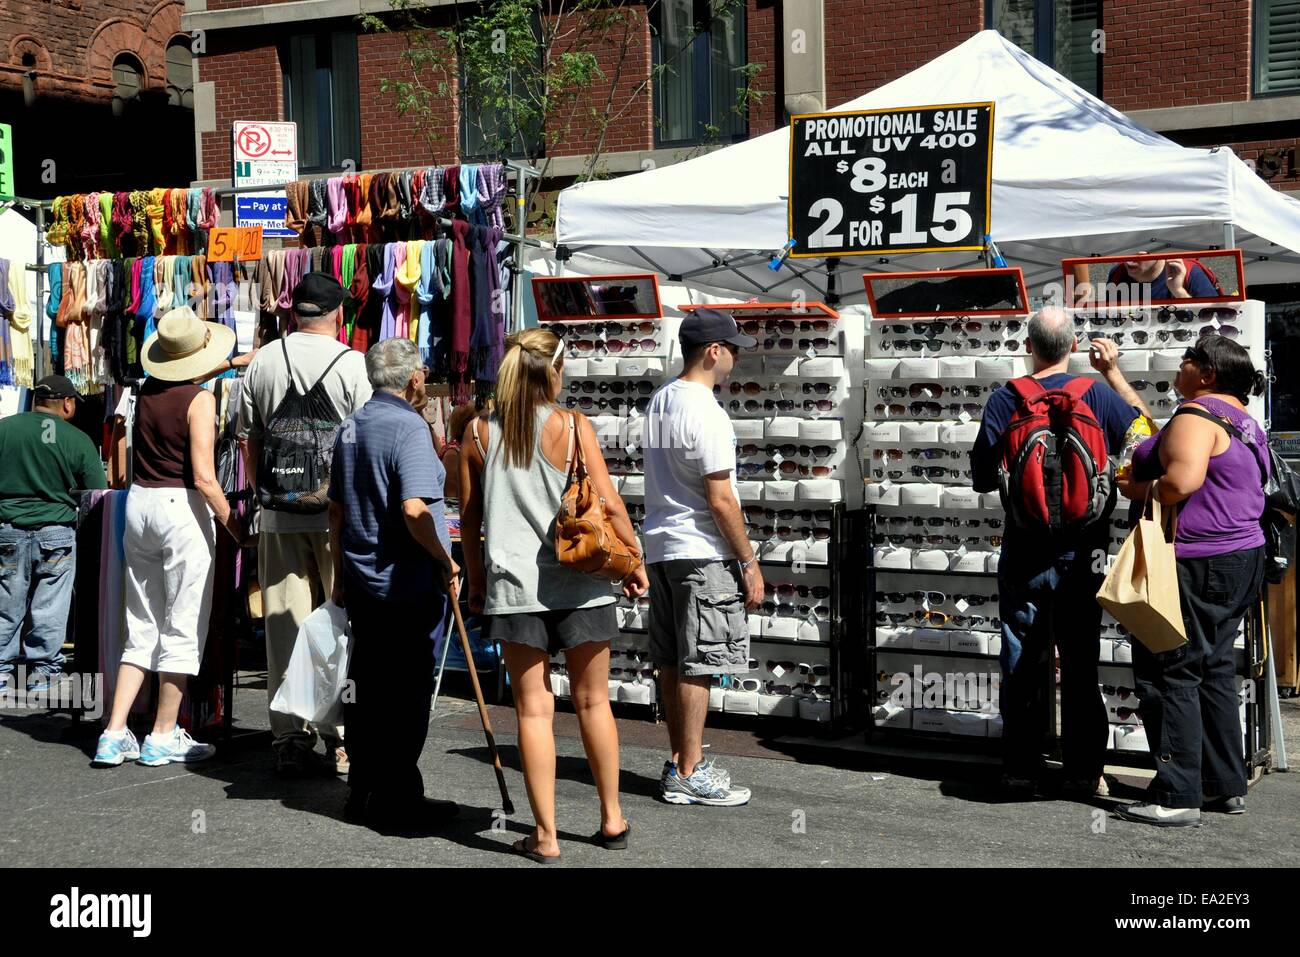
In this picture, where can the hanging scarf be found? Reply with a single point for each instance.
(461, 311)
(270, 281)
(361, 227)
(76, 219)
(7, 357)
(383, 286)
(123, 237)
(375, 201)
(316, 259)
(75, 357)
(491, 194)
(199, 286)
(347, 272)
(371, 312)
(178, 236)
(90, 226)
(114, 329)
(352, 193)
(295, 211)
(154, 211)
(469, 189)
(451, 187)
(408, 277)
(54, 299)
(389, 205)
(317, 212)
(338, 203)
(401, 293)
(488, 336)
(426, 291)
(56, 234)
(193, 218)
(107, 244)
(140, 221)
(359, 295)
(404, 194)
(132, 317)
(431, 194)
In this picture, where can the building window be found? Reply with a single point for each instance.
(1061, 33)
(180, 73)
(698, 92)
(128, 78)
(486, 132)
(322, 95)
(1277, 46)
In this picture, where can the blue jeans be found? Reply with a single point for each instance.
(1045, 602)
(37, 568)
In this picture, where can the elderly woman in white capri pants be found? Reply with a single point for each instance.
(170, 537)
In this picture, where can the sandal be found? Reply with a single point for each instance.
(616, 843)
(520, 847)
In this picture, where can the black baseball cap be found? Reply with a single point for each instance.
(317, 294)
(705, 326)
(55, 387)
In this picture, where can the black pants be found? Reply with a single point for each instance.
(1046, 602)
(1189, 702)
(392, 672)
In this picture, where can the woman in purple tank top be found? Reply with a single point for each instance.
(1211, 462)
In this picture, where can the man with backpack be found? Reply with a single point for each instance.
(1045, 444)
(296, 394)
(1165, 278)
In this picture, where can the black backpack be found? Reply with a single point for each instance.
(293, 472)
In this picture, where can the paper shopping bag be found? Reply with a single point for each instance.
(1141, 589)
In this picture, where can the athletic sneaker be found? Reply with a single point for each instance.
(114, 749)
(702, 788)
(669, 768)
(712, 767)
(175, 748)
(1155, 814)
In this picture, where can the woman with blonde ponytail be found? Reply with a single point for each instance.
(514, 469)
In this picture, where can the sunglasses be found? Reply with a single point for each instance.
(1011, 325)
(767, 405)
(1228, 332)
(1171, 314)
(754, 327)
(616, 388)
(608, 328)
(935, 453)
(1141, 385)
(788, 514)
(918, 390)
(1118, 690)
(938, 471)
(790, 590)
(586, 403)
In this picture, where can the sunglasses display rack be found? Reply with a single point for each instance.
(936, 542)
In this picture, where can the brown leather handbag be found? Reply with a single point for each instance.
(585, 539)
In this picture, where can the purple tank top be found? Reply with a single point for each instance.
(1223, 514)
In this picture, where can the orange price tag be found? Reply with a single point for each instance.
(228, 244)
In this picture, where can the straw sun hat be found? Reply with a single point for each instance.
(185, 347)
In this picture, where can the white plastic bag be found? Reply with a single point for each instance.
(313, 683)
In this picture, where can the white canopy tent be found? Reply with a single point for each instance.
(1071, 177)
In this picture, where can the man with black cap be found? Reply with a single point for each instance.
(296, 394)
(45, 459)
(703, 573)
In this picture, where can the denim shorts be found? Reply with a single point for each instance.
(698, 622)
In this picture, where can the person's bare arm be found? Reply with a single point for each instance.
(1104, 357)
(471, 515)
(731, 525)
(419, 522)
(336, 550)
(451, 464)
(203, 434)
(638, 583)
(1185, 453)
(117, 454)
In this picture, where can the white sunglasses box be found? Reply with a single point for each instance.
(811, 709)
(930, 639)
(609, 430)
(887, 556)
(814, 632)
(900, 638)
(920, 494)
(968, 724)
(881, 370)
(748, 367)
(821, 367)
(754, 624)
(930, 560)
(716, 697)
(999, 368)
(740, 702)
(1134, 360)
(958, 496)
(918, 432)
(890, 715)
(1080, 363)
(970, 562)
(1107, 650)
(1166, 360)
(994, 725)
(930, 719)
(1122, 651)
(778, 706)
(631, 692)
(636, 432)
(880, 493)
(750, 491)
(918, 369)
(781, 628)
(780, 490)
(958, 433)
(992, 564)
(633, 486)
(783, 427)
(602, 366)
(747, 430)
(614, 686)
(1130, 737)
(644, 368)
(821, 430)
(956, 367)
(882, 433)
(969, 642)
(818, 490)
(814, 553)
(560, 685)
(777, 551)
(575, 368)
(991, 500)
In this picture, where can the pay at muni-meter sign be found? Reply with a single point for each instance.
(916, 179)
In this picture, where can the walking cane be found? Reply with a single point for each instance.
(506, 804)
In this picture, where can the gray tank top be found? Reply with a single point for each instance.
(519, 510)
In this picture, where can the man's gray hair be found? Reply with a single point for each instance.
(1051, 332)
(391, 362)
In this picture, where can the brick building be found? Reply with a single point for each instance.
(1218, 72)
(92, 89)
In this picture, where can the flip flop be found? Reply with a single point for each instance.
(616, 843)
(520, 847)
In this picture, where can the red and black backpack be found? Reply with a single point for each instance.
(1056, 474)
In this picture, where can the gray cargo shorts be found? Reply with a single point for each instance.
(698, 622)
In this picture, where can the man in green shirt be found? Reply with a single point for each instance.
(44, 459)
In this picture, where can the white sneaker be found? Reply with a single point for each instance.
(175, 748)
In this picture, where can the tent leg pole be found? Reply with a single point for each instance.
(1229, 236)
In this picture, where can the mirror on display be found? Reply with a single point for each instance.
(604, 297)
(916, 295)
(1164, 278)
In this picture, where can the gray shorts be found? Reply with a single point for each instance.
(554, 631)
(698, 622)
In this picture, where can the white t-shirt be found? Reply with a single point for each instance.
(687, 436)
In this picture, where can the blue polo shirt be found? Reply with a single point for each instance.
(383, 456)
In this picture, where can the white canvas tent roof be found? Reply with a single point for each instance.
(1071, 177)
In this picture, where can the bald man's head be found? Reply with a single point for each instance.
(1051, 334)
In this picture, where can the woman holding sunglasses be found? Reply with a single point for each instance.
(1211, 462)
(514, 470)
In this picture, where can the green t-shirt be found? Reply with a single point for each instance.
(42, 458)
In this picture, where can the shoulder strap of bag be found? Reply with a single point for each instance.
(570, 460)
(288, 368)
(1206, 414)
(1025, 387)
(1078, 387)
(478, 442)
(333, 362)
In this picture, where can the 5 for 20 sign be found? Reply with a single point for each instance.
(891, 181)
